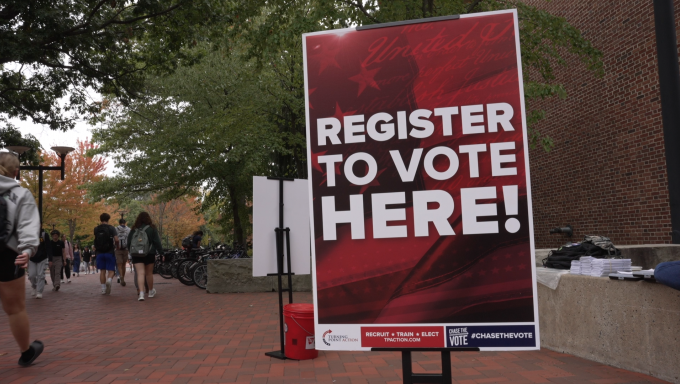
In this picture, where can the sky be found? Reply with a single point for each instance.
(49, 138)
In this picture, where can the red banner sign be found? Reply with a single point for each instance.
(419, 177)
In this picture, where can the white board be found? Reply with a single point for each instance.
(266, 219)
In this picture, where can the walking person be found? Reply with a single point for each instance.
(105, 242)
(18, 243)
(87, 258)
(37, 265)
(144, 242)
(76, 260)
(57, 259)
(122, 252)
(69, 259)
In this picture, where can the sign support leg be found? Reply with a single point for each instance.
(281, 354)
(413, 378)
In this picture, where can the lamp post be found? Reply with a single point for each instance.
(62, 151)
(122, 213)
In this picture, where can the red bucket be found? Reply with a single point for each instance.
(299, 326)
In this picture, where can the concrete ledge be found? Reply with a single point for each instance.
(233, 276)
(626, 324)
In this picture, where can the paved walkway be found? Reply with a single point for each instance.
(184, 335)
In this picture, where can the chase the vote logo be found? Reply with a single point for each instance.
(458, 337)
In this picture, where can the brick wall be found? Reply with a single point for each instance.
(607, 172)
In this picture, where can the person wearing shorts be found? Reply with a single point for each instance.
(144, 262)
(122, 252)
(106, 240)
(23, 221)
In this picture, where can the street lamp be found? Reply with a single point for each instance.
(62, 151)
(122, 213)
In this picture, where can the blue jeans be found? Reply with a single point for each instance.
(668, 273)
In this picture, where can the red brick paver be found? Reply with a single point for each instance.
(184, 335)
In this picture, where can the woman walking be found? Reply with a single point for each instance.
(68, 248)
(143, 243)
(22, 228)
(76, 260)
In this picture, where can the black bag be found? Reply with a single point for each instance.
(5, 225)
(186, 242)
(562, 258)
(103, 240)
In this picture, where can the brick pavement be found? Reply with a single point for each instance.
(187, 336)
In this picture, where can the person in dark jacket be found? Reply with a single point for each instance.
(143, 263)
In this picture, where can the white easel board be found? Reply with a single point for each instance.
(266, 219)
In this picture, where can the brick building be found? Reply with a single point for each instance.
(607, 172)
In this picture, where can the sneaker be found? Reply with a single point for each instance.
(152, 293)
(33, 292)
(36, 349)
(63, 282)
(38, 295)
(103, 291)
(141, 296)
(108, 287)
(68, 281)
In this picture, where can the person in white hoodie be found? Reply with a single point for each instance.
(19, 240)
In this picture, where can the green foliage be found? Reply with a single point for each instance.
(52, 51)
(209, 127)
(10, 136)
(273, 28)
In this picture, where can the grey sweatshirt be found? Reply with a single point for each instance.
(23, 217)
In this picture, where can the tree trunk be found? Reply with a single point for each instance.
(238, 229)
(428, 8)
(71, 229)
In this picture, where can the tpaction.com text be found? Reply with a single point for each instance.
(401, 337)
(473, 120)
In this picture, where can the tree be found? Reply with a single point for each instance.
(64, 201)
(273, 28)
(209, 128)
(9, 136)
(52, 52)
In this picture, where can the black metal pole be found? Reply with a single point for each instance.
(669, 86)
(279, 267)
(40, 193)
(290, 275)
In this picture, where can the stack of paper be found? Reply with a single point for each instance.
(603, 267)
(575, 267)
(586, 265)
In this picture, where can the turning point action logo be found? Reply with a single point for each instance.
(328, 338)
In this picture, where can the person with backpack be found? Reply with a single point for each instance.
(105, 243)
(37, 265)
(143, 243)
(122, 253)
(19, 241)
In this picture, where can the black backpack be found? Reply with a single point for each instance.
(5, 229)
(562, 258)
(186, 242)
(103, 240)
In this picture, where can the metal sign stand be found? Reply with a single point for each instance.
(279, 267)
(414, 378)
